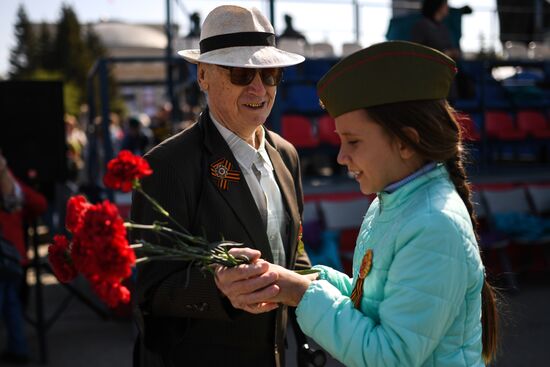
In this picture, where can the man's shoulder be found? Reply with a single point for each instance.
(280, 143)
(179, 145)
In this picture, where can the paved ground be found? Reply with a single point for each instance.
(81, 338)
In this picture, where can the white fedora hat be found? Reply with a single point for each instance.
(236, 36)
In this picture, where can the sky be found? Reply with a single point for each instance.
(319, 20)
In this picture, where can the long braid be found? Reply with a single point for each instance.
(455, 166)
(489, 317)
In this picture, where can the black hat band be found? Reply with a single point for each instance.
(237, 40)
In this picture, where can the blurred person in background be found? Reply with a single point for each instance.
(431, 31)
(194, 25)
(138, 137)
(160, 123)
(19, 204)
(289, 31)
(76, 144)
(116, 131)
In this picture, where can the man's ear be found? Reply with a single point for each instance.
(201, 76)
(406, 151)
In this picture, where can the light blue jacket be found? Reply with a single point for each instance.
(421, 304)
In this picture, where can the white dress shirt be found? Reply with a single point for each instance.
(257, 170)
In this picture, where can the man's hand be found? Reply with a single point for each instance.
(247, 285)
(260, 286)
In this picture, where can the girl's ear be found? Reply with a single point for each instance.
(406, 151)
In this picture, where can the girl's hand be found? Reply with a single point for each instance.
(291, 286)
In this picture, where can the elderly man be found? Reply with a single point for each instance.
(226, 177)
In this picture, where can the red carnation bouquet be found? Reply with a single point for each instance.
(99, 248)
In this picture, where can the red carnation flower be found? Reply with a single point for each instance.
(116, 260)
(123, 170)
(100, 223)
(110, 261)
(76, 208)
(111, 293)
(100, 246)
(60, 259)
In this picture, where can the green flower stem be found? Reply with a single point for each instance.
(160, 228)
(151, 249)
(182, 238)
(181, 248)
(307, 271)
(188, 253)
(137, 186)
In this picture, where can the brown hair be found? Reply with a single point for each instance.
(440, 140)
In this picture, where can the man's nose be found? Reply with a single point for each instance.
(257, 86)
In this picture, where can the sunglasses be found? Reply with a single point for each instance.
(245, 76)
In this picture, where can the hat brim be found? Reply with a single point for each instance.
(244, 56)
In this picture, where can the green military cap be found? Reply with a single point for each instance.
(386, 72)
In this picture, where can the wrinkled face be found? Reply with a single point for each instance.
(370, 154)
(239, 108)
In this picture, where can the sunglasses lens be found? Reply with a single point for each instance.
(271, 76)
(242, 76)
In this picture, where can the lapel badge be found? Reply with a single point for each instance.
(364, 270)
(222, 173)
(301, 247)
(366, 264)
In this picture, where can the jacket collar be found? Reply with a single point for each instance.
(394, 200)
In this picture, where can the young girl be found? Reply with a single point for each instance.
(418, 296)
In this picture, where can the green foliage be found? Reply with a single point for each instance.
(23, 56)
(72, 94)
(68, 47)
(64, 51)
(45, 48)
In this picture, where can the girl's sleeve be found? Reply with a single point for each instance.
(426, 283)
(338, 279)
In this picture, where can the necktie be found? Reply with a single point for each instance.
(272, 210)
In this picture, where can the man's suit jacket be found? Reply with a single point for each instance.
(184, 320)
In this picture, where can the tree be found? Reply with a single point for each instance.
(94, 47)
(96, 50)
(69, 53)
(24, 55)
(66, 52)
(44, 48)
